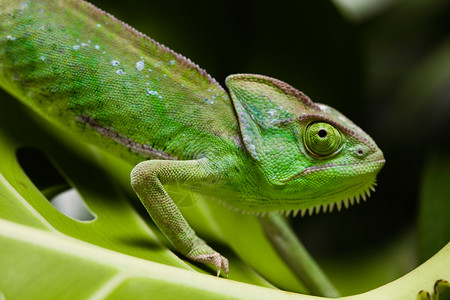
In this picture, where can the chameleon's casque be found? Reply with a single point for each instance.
(264, 146)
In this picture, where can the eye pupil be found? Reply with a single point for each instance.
(322, 133)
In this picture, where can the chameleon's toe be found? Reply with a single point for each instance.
(220, 262)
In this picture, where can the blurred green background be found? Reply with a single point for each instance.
(383, 63)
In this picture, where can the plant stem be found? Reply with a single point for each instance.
(296, 256)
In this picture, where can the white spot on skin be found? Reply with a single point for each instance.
(43, 58)
(115, 63)
(151, 92)
(140, 65)
(172, 62)
(99, 25)
(120, 72)
(84, 45)
(76, 47)
(271, 111)
(149, 70)
(97, 47)
(252, 147)
(208, 101)
(11, 38)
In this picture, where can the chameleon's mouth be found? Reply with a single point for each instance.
(350, 195)
(376, 164)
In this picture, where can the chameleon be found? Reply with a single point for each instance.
(258, 146)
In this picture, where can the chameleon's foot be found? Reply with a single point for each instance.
(220, 262)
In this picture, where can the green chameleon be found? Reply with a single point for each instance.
(262, 146)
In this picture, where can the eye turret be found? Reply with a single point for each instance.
(322, 139)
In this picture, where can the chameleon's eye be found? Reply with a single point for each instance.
(322, 139)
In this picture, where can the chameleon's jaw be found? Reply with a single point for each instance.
(328, 207)
(362, 181)
(363, 195)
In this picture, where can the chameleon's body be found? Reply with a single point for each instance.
(268, 147)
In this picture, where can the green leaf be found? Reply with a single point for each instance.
(48, 255)
(51, 253)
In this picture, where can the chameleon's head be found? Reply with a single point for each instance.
(310, 155)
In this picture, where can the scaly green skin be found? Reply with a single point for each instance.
(268, 147)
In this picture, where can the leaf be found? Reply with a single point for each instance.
(52, 254)
(45, 254)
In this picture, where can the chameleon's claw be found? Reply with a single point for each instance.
(220, 262)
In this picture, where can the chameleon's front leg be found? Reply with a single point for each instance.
(147, 180)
